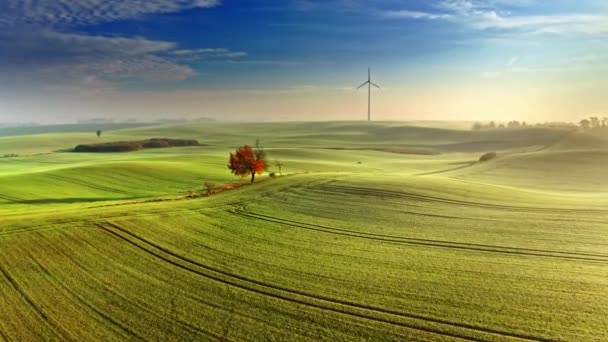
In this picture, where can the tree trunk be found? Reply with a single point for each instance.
(252, 176)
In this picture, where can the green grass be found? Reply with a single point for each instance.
(350, 245)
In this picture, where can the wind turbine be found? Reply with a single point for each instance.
(369, 93)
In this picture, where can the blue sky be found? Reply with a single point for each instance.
(299, 59)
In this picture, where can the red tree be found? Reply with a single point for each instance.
(247, 161)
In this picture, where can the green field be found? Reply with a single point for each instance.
(353, 242)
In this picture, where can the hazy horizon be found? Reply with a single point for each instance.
(299, 60)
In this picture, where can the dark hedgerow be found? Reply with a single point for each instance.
(126, 146)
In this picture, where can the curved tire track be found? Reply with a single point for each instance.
(432, 243)
(89, 185)
(11, 199)
(398, 194)
(83, 302)
(251, 285)
(124, 328)
(55, 327)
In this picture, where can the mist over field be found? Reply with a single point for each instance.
(177, 170)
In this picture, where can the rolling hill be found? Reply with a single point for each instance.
(353, 243)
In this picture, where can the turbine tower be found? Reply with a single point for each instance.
(369, 93)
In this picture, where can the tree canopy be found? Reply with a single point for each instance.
(247, 161)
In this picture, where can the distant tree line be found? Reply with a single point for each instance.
(593, 123)
(519, 124)
(493, 125)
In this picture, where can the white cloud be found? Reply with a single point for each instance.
(488, 15)
(414, 15)
(35, 51)
(141, 68)
(513, 61)
(51, 47)
(457, 6)
(51, 13)
(566, 23)
(58, 58)
(207, 54)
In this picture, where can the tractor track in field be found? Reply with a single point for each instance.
(31, 229)
(88, 185)
(468, 164)
(11, 199)
(334, 203)
(399, 194)
(578, 256)
(182, 324)
(52, 324)
(49, 226)
(286, 294)
(147, 200)
(128, 331)
(147, 178)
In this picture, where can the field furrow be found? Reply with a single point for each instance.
(398, 194)
(565, 255)
(347, 304)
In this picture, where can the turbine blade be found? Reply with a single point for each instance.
(375, 85)
(366, 82)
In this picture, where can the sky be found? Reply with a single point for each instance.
(261, 60)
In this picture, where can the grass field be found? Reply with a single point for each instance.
(352, 243)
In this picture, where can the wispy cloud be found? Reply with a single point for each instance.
(513, 61)
(83, 12)
(414, 14)
(490, 15)
(36, 49)
(53, 47)
(52, 57)
(559, 24)
(207, 54)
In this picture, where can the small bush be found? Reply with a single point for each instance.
(11, 155)
(272, 174)
(488, 156)
(210, 188)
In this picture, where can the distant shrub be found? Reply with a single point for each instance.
(488, 156)
(272, 174)
(210, 188)
(119, 146)
(192, 195)
(10, 155)
(126, 146)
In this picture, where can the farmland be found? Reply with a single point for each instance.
(357, 241)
